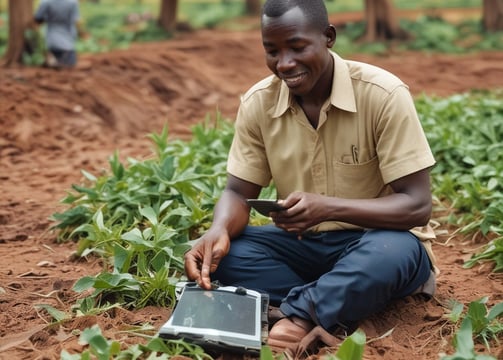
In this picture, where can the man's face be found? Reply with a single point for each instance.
(297, 52)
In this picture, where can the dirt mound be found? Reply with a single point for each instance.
(54, 123)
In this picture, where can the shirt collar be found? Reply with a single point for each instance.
(342, 94)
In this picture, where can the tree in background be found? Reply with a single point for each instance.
(167, 15)
(492, 17)
(253, 7)
(20, 19)
(381, 21)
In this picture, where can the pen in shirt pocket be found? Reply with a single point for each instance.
(354, 152)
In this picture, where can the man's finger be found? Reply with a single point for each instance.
(204, 280)
(191, 266)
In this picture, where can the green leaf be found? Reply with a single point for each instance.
(456, 312)
(108, 280)
(89, 334)
(150, 214)
(56, 314)
(352, 347)
(122, 258)
(65, 355)
(464, 341)
(116, 166)
(92, 194)
(93, 337)
(495, 312)
(134, 236)
(89, 176)
(266, 353)
(477, 312)
(84, 284)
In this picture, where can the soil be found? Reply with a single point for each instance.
(55, 123)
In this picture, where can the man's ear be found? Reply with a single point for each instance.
(331, 35)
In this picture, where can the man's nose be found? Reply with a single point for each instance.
(285, 62)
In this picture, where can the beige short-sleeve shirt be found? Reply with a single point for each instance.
(368, 135)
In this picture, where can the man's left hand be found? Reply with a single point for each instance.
(303, 210)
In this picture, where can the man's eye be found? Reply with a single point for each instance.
(272, 53)
(298, 49)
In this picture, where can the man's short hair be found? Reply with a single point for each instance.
(314, 10)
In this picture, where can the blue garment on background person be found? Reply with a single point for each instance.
(60, 17)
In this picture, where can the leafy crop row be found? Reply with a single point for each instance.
(465, 132)
(141, 217)
(478, 322)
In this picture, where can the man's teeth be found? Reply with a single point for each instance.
(293, 79)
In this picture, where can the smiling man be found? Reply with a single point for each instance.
(342, 143)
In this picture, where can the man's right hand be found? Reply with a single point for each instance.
(230, 217)
(204, 257)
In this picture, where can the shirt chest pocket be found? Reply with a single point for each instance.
(357, 181)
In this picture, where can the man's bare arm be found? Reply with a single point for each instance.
(231, 215)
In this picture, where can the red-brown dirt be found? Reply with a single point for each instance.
(55, 123)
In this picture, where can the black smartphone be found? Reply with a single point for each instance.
(265, 206)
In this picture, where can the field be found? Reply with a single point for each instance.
(56, 123)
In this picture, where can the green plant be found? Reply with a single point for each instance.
(493, 251)
(485, 323)
(100, 348)
(468, 176)
(477, 323)
(465, 349)
(351, 348)
(140, 217)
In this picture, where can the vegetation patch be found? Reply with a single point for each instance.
(141, 217)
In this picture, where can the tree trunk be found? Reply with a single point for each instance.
(20, 19)
(492, 17)
(382, 23)
(253, 7)
(167, 18)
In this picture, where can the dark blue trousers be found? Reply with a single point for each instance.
(334, 278)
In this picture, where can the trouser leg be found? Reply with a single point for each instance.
(335, 279)
(270, 260)
(381, 266)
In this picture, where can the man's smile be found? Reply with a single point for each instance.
(294, 80)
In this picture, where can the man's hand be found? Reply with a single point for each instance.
(204, 257)
(230, 217)
(304, 210)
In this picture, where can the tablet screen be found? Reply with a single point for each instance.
(220, 310)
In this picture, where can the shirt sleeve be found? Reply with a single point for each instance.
(76, 13)
(247, 157)
(41, 13)
(402, 146)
